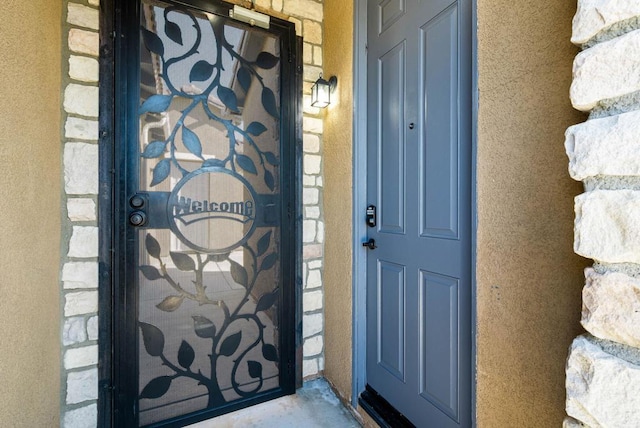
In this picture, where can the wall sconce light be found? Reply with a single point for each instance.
(321, 91)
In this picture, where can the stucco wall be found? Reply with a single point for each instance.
(528, 278)
(30, 213)
(338, 54)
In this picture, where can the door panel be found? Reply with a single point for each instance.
(207, 195)
(418, 277)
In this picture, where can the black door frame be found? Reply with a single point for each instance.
(359, 176)
(115, 104)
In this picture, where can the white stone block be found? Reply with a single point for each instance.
(314, 279)
(81, 209)
(312, 346)
(303, 8)
(316, 264)
(317, 55)
(319, 181)
(606, 146)
(276, 5)
(320, 234)
(81, 357)
(94, 2)
(312, 212)
(311, 73)
(83, 69)
(309, 368)
(594, 16)
(602, 390)
(311, 143)
(83, 242)
(73, 331)
(82, 386)
(81, 129)
(312, 301)
(84, 417)
(80, 303)
(311, 325)
(312, 124)
(571, 423)
(310, 196)
(308, 231)
(312, 31)
(312, 164)
(81, 99)
(611, 307)
(607, 70)
(607, 226)
(80, 275)
(308, 180)
(81, 168)
(83, 16)
(92, 328)
(82, 41)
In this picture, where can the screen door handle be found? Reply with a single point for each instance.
(370, 244)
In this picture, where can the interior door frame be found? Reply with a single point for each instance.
(359, 268)
(111, 212)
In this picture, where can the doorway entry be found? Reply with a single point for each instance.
(203, 227)
(419, 175)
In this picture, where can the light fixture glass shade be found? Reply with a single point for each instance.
(321, 93)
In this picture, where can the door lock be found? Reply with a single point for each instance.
(137, 218)
(371, 216)
(370, 244)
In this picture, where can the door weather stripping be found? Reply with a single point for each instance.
(251, 17)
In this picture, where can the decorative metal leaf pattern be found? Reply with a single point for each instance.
(235, 335)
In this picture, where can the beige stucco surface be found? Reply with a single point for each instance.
(30, 213)
(528, 278)
(337, 140)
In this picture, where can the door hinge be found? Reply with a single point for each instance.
(290, 56)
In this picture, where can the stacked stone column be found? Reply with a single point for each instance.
(603, 368)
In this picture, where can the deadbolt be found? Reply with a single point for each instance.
(137, 218)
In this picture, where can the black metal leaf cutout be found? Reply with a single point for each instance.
(267, 300)
(152, 42)
(269, 352)
(255, 369)
(150, 272)
(155, 104)
(269, 261)
(239, 273)
(244, 78)
(161, 171)
(186, 355)
(170, 304)
(263, 243)
(256, 128)
(157, 387)
(269, 180)
(269, 102)
(203, 327)
(266, 60)
(201, 71)
(271, 158)
(246, 163)
(183, 261)
(152, 338)
(154, 149)
(152, 246)
(191, 142)
(228, 98)
(230, 344)
(173, 31)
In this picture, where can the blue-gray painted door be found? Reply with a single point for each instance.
(419, 177)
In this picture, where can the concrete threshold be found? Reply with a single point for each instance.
(313, 406)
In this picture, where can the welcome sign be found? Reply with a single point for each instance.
(212, 210)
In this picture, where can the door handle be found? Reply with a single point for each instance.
(370, 244)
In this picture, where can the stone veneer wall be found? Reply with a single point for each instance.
(79, 278)
(603, 369)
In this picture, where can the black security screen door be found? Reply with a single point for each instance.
(205, 213)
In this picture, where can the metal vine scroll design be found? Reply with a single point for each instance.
(222, 344)
(224, 341)
(203, 71)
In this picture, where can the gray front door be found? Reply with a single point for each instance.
(419, 178)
